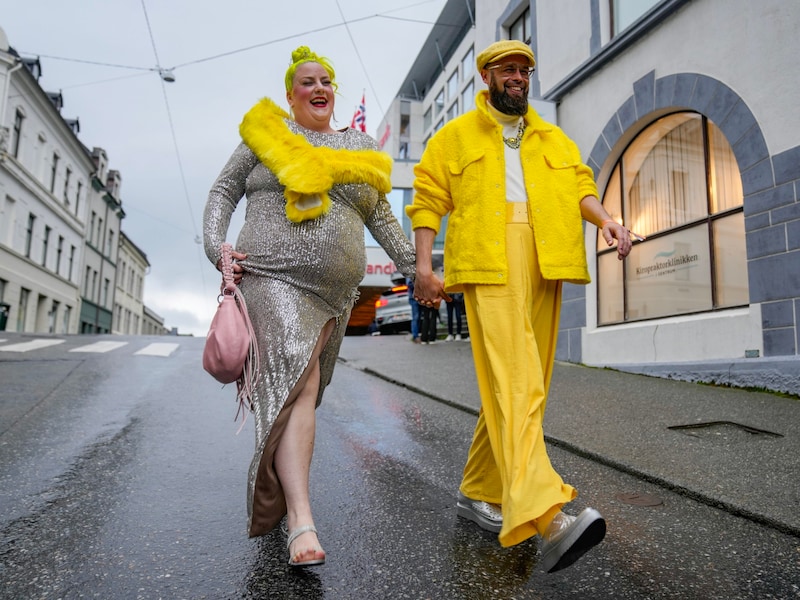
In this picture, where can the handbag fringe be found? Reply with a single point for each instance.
(246, 384)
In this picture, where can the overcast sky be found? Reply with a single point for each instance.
(170, 140)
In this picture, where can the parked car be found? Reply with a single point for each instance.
(392, 310)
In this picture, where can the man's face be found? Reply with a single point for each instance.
(508, 82)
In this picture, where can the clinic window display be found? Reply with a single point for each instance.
(678, 185)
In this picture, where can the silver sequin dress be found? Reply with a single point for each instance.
(298, 276)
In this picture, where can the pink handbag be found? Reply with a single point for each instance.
(231, 351)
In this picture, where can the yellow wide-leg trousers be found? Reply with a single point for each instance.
(514, 330)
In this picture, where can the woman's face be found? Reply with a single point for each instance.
(311, 97)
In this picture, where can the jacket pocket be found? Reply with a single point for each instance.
(466, 173)
(563, 170)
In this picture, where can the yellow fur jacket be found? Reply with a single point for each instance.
(462, 172)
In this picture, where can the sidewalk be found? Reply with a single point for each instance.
(730, 448)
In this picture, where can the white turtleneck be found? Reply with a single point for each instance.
(515, 182)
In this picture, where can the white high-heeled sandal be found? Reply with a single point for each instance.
(305, 563)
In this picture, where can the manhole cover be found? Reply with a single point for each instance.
(724, 431)
(639, 499)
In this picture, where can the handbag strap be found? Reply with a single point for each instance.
(228, 287)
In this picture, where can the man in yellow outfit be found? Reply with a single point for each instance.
(517, 193)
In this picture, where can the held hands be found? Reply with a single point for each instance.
(238, 271)
(429, 290)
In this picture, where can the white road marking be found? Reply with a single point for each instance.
(159, 349)
(32, 345)
(99, 347)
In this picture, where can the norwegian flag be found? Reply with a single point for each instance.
(360, 117)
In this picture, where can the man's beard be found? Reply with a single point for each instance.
(510, 105)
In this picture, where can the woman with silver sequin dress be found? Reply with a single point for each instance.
(300, 257)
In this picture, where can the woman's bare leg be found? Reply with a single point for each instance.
(293, 455)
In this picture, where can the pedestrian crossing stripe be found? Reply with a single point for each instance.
(100, 347)
(31, 345)
(158, 349)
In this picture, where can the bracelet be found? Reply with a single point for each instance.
(603, 224)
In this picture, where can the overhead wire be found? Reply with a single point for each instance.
(197, 237)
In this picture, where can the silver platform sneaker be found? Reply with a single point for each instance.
(568, 538)
(486, 515)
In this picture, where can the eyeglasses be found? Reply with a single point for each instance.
(511, 70)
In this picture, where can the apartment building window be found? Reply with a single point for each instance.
(19, 117)
(452, 112)
(8, 215)
(468, 64)
(78, 191)
(439, 103)
(91, 227)
(99, 243)
(677, 184)
(452, 86)
(625, 12)
(106, 284)
(71, 261)
(520, 29)
(110, 244)
(427, 119)
(468, 97)
(45, 244)
(29, 234)
(86, 283)
(94, 295)
(54, 172)
(59, 252)
(67, 175)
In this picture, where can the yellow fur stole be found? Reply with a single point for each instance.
(308, 172)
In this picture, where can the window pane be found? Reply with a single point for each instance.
(468, 64)
(726, 183)
(453, 112)
(439, 102)
(468, 97)
(627, 11)
(669, 275)
(610, 308)
(452, 86)
(730, 260)
(611, 202)
(665, 176)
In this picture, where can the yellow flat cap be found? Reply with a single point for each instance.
(502, 49)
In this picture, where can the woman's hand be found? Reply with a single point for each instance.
(238, 271)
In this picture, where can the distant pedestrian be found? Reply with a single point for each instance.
(516, 192)
(415, 315)
(429, 315)
(455, 310)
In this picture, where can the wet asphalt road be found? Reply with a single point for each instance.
(121, 476)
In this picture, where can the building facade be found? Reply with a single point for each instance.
(129, 310)
(684, 109)
(45, 175)
(102, 241)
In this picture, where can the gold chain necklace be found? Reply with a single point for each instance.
(514, 142)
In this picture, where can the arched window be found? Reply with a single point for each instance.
(677, 184)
